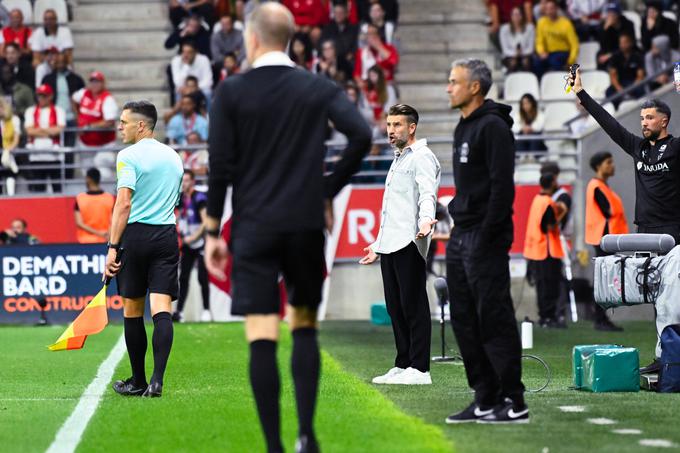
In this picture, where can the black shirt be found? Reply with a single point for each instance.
(662, 26)
(609, 38)
(657, 170)
(267, 131)
(627, 67)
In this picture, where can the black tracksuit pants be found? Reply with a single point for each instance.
(483, 319)
(548, 286)
(404, 277)
(186, 264)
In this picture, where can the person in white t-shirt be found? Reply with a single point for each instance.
(51, 34)
(190, 62)
(44, 123)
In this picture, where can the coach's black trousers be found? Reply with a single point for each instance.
(548, 286)
(404, 277)
(483, 318)
(186, 264)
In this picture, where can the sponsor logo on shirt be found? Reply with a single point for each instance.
(661, 166)
(464, 151)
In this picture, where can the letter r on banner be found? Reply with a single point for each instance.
(360, 222)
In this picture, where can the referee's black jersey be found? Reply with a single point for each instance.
(267, 133)
(657, 169)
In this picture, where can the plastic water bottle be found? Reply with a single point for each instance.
(527, 334)
(676, 76)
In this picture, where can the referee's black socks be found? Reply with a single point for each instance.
(264, 378)
(135, 340)
(162, 343)
(305, 364)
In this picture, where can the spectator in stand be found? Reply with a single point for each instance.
(655, 24)
(659, 57)
(196, 160)
(229, 66)
(23, 71)
(587, 17)
(97, 112)
(301, 51)
(180, 9)
(342, 32)
(615, 25)
(192, 30)
(20, 94)
(92, 211)
(528, 121)
(47, 66)
(308, 13)
(556, 41)
(391, 8)
(10, 128)
(626, 68)
(227, 40)
(51, 34)
(500, 12)
(190, 62)
(17, 33)
(17, 234)
(375, 51)
(65, 83)
(331, 66)
(517, 39)
(377, 18)
(378, 97)
(44, 123)
(190, 88)
(186, 121)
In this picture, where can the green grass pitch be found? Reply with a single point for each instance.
(207, 405)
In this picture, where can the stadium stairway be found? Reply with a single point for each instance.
(124, 39)
(433, 33)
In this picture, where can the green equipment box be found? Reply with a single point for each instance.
(606, 368)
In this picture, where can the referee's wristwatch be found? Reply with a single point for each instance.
(113, 246)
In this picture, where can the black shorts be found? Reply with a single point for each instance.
(150, 261)
(258, 260)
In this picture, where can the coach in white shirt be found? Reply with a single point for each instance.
(408, 214)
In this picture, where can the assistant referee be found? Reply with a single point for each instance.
(143, 224)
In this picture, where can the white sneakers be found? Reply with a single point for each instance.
(206, 316)
(408, 376)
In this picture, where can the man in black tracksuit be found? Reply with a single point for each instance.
(482, 314)
(657, 170)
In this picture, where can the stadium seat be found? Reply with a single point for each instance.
(587, 55)
(609, 107)
(628, 104)
(493, 92)
(670, 15)
(637, 22)
(23, 5)
(59, 6)
(527, 173)
(595, 83)
(552, 87)
(517, 84)
(557, 113)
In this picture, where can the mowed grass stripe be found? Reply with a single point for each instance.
(39, 388)
(208, 406)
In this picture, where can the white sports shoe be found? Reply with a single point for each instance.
(383, 379)
(206, 316)
(411, 376)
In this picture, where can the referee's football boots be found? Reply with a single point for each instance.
(129, 387)
(154, 390)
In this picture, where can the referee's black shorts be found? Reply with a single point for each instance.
(150, 261)
(258, 260)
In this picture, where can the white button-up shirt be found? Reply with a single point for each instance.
(410, 199)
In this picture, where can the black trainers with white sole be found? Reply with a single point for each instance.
(128, 387)
(470, 414)
(506, 414)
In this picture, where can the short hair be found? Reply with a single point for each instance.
(228, 54)
(268, 26)
(657, 104)
(191, 174)
(409, 112)
(478, 72)
(547, 180)
(189, 43)
(14, 45)
(144, 108)
(550, 168)
(189, 96)
(192, 78)
(598, 158)
(94, 175)
(23, 222)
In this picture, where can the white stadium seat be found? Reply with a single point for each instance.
(59, 6)
(552, 87)
(557, 113)
(517, 84)
(587, 55)
(23, 5)
(637, 22)
(493, 92)
(627, 104)
(609, 107)
(671, 15)
(595, 83)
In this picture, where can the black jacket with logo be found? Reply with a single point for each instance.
(657, 170)
(483, 169)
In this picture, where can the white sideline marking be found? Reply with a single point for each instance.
(663, 443)
(572, 408)
(627, 431)
(601, 421)
(70, 433)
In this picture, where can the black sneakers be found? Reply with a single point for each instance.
(653, 367)
(128, 388)
(470, 414)
(506, 413)
(154, 390)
